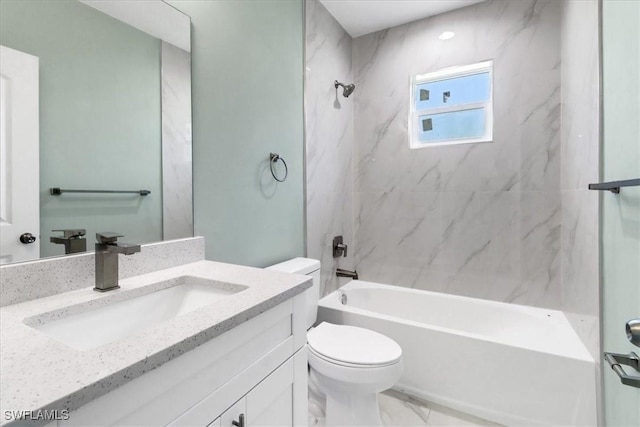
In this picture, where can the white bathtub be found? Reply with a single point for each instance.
(507, 363)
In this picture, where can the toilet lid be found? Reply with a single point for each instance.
(351, 344)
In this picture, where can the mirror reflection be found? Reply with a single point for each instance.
(91, 103)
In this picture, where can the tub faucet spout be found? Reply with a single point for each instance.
(347, 273)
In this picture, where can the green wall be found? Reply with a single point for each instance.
(620, 213)
(99, 117)
(247, 80)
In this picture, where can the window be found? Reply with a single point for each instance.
(452, 106)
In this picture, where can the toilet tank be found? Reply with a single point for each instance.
(309, 267)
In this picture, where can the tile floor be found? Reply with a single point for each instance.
(400, 410)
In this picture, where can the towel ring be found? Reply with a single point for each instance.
(273, 159)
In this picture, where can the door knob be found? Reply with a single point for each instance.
(633, 331)
(27, 238)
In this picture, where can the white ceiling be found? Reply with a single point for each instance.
(154, 17)
(360, 17)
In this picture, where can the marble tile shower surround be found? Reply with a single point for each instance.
(50, 276)
(580, 166)
(481, 220)
(329, 137)
(177, 173)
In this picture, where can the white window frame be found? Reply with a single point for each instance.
(444, 74)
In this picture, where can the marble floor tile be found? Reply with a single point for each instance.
(400, 410)
(396, 412)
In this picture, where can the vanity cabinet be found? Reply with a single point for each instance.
(258, 369)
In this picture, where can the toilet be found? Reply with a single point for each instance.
(347, 364)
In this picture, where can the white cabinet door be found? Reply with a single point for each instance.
(270, 403)
(19, 155)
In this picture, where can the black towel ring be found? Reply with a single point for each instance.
(273, 159)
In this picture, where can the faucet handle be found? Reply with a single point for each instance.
(107, 237)
(72, 232)
(339, 248)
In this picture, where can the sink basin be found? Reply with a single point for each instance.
(93, 327)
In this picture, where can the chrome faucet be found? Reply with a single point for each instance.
(107, 250)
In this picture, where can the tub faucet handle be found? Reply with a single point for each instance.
(339, 248)
(343, 248)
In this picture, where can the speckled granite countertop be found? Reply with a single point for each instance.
(39, 372)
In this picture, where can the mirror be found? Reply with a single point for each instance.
(113, 85)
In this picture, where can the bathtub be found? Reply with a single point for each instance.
(507, 363)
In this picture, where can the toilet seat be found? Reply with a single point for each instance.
(351, 346)
(345, 364)
(355, 378)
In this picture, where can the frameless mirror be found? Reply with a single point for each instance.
(96, 106)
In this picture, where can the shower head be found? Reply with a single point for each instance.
(347, 89)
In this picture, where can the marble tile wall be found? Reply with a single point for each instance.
(579, 167)
(481, 220)
(177, 187)
(329, 141)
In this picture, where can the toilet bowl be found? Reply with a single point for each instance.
(348, 365)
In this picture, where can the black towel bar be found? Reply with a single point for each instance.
(614, 186)
(56, 191)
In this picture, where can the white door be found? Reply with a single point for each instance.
(19, 157)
